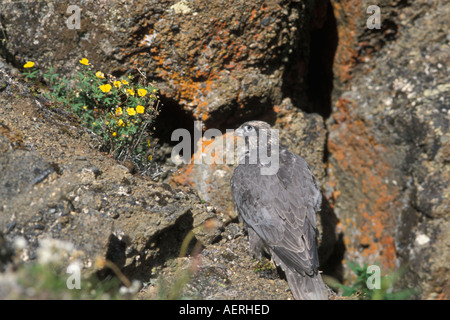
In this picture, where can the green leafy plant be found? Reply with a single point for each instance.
(120, 110)
(263, 265)
(31, 72)
(359, 289)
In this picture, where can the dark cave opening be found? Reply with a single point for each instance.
(172, 116)
(319, 77)
(308, 80)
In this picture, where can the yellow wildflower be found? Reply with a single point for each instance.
(118, 111)
(29, 64)
(140, 109)
(124, 81)
(105, 87)
(121, 124)
(84, 107)
(84, 61)
(142, 92)
(100, 263)
(117, 84)
(131, 111)
(100, 75)
(114, 134)
(130, 91)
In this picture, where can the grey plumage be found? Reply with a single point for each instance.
(279, 211)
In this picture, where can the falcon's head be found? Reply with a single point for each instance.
(257, 134)
(252, 128)
(261, 144)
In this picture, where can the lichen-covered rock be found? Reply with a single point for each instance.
(218, 58)
(304, 134)
(389, 142)
(215, 59)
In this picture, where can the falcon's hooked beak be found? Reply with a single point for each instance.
(239, 132)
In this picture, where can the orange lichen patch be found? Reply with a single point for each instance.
(339, 228)
(276, 109)
(183, 177)
(443, 296)
(363, 160)
(253, 15)
(204, 117)
(210, 152)
(205, 143)
(210, 180)
(191, 67)
(186, 90)
(336, 194)
(348, 14)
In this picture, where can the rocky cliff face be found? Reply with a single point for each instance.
(368, 108)
(217, 61)
(388, 144)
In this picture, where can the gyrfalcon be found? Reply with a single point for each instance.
(279, 209)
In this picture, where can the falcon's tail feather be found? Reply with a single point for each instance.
(306, 287)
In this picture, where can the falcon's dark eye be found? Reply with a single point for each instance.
(248, 128)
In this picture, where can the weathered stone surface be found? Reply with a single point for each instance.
(56, 185)
(389, 141)
(215, 59)
(222, 59)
